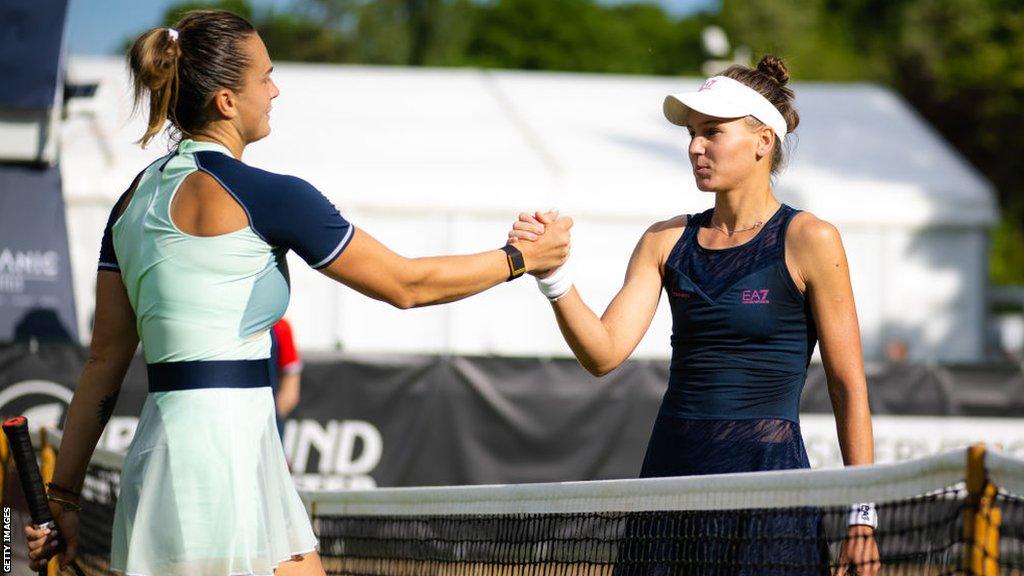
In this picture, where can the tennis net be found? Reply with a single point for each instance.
(956, 513)
(934, 518)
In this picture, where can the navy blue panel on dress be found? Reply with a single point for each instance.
(283, 210)
(108, 258)
(198, 374)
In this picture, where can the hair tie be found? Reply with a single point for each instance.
(173, 34)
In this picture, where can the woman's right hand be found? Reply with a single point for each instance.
(547, 240)
(43, 543)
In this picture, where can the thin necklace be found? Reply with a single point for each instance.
(724, 230)
(729, 233)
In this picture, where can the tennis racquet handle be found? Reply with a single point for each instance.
(16, 430)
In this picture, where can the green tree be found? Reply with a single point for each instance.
(406, 32)
(578, 35)
(960, 63)
(174, 13)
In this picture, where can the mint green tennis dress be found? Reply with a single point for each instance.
(205, 489)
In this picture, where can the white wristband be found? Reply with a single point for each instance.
(863, 515)
(557, 284)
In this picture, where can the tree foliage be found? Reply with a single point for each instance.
(960, 63)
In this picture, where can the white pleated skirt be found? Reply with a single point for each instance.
(205, 489)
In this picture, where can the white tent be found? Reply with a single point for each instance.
(442, 160)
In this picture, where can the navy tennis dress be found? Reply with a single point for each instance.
(742, 337)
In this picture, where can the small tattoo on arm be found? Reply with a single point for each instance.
(106, 409)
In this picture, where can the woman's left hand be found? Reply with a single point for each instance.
(859, 549)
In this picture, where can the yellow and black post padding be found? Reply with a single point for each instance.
(981, 518)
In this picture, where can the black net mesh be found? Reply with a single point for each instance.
(923, 535)
(933, 534)
(1011, 533)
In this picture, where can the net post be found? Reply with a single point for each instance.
(981, 517)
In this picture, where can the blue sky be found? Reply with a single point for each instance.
(101, 26)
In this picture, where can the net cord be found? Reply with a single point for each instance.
(782, 489)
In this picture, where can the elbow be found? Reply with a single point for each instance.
(111, 353)
(400, 294)
(404, 297)
(407, 290)
(402, 301)
(597, 369)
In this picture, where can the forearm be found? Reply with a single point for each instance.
(590, 340)
(89, 412)
(287, 394)
(440, 279)
(853, 420)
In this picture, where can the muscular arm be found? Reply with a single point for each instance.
(371, 268)
(113, 344)
(602, 344)
(816, 251)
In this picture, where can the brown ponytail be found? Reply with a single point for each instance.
(179, 74)
(770, 79)
(153, 61)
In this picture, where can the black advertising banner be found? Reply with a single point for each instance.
(427, 420)
(31, 41)
(36, 297)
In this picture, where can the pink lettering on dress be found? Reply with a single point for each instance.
(755, 296)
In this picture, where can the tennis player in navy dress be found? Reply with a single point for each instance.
(753, 285)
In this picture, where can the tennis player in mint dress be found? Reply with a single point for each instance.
(753, 285)
(204, 307)
(193, 265)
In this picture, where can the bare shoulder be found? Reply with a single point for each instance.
(203, 207)
(666, 229)
(205, 187)
(816, 248)
(809, 234)
(676, 223)
(660, 237)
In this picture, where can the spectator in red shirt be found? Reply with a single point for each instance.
(286, 359)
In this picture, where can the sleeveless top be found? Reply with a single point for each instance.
(742, 333)
(742, 337)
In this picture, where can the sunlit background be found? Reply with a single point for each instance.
(433, 123)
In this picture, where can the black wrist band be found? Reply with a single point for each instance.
(516, 262)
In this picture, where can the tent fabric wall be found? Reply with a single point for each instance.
(441, 161)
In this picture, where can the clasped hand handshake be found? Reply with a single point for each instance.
(544, 240)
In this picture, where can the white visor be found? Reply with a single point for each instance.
(723, 97)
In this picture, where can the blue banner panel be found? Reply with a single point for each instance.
(36, 298)
(31, 40)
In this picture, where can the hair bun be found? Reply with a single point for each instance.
(774, 68)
